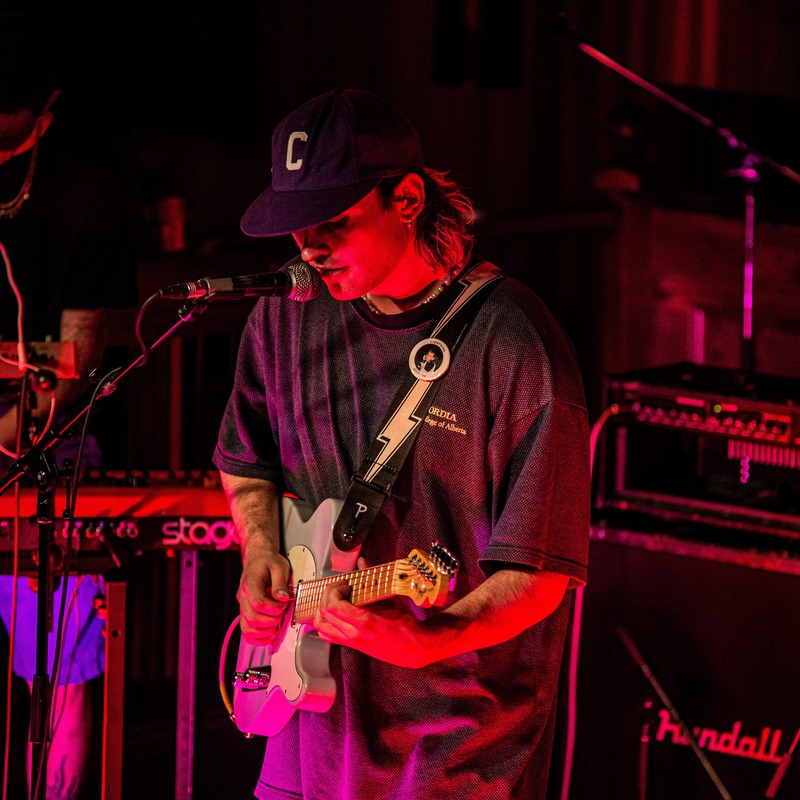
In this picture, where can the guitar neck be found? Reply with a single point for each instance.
(366, 586)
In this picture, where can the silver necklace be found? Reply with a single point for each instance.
(436, 292)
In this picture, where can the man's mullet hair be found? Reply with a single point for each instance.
(443, 231)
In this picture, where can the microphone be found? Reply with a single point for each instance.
(295, 280)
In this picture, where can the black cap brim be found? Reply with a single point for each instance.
(278, 213)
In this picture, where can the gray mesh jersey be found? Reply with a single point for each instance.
(499, 474)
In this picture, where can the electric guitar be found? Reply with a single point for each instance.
(271, 682)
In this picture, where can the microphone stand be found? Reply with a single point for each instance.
(634, 653)
(750, 172)
(46, 477)
(39, 461)
(783, 766)
(644, 751)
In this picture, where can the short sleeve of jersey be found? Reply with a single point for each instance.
(541, 499)
(245, 446)
(538, 440)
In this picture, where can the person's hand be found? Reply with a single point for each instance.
(387, 630)
(263, 596)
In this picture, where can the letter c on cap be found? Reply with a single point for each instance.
(291, 162)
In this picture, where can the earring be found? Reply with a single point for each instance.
(408, 223)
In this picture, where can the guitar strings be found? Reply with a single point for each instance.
(366, 585)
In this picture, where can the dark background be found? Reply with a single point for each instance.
(188, 93)
(610, 203)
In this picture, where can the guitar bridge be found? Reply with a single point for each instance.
(252, 679)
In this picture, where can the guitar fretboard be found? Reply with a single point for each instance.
(366, 586)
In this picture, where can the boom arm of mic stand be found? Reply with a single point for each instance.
(733, 141)
(27, 462)
(749, 171)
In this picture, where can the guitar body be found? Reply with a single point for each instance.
(272, 682)
(295, 665)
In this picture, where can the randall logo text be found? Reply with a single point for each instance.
(763, 747)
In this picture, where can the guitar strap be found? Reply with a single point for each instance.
(428, 362)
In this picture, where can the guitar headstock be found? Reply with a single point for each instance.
(432, 576)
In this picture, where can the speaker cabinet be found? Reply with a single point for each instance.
(719, 630)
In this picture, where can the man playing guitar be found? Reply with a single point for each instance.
(428, 701)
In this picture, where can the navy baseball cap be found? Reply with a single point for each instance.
(327, 155)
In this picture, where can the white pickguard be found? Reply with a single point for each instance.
(297, 658)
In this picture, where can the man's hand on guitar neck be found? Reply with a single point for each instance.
(387, 630)
(505, 604)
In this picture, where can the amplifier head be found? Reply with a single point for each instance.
(704, 444)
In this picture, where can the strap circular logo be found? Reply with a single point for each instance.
(429, 359)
